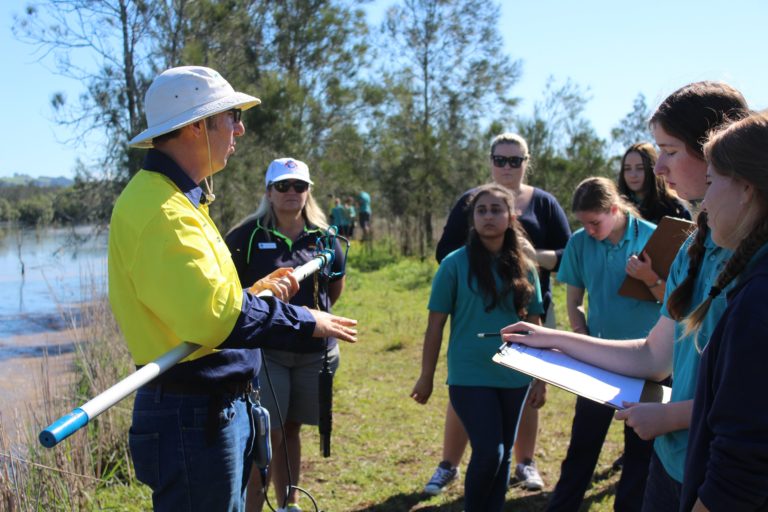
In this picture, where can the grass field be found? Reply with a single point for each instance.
(385, 446)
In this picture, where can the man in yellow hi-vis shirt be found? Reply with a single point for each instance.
(171, 279)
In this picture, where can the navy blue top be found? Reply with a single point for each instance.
(266, 323)
(674, 208)
(258, 250)
(727, 462)
(544, 221)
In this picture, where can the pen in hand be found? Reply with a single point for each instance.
(497, 334)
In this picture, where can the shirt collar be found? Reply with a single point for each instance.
(708, 242)
(157, 161)
(630, 232)
(307, 231)
(632, 228)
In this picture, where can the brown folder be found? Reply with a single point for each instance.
(662, 247)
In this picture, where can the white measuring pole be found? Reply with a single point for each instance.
(70, 423)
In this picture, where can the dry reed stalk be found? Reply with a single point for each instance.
(66, 477)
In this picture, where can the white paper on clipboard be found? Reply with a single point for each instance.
(579, 377)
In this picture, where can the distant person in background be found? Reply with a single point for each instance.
(283, 233)
(480, 286)
(340, 217)
(648, 192)
(364, 208)
(546, 225)
(349, 205)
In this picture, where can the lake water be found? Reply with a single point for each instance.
(62, 268)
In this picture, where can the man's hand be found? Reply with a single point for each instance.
(332, 326)
(280, 282)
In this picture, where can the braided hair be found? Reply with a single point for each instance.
(512, 263)
(739, 150)
(689, 114)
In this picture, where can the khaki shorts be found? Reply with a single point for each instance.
(294, 377)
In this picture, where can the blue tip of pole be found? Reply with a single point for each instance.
(62, 428)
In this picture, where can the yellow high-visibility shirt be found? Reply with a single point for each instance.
(171, 276)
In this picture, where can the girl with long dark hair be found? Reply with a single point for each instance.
(649, 193)
(481, 286)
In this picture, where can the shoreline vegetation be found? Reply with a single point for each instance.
(45, 203)
(66, 478)
(384, 445)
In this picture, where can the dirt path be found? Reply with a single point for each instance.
(24, 372)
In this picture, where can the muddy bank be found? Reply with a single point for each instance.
(33, 366)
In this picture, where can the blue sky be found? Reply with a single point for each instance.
(616, 49)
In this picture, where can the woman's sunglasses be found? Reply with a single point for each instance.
(514, 162)
(285, 186)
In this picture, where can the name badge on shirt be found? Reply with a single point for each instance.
(267, 245)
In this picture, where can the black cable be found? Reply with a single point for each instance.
(264, 486)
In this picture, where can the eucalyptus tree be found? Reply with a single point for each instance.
(106, 46)
(564, 146)
(633, 127)
(303, 58)
(446, 74)
(300, 56)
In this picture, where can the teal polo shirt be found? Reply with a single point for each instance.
(469, 357)
(365, 202)
(671, 447)
(599, 268)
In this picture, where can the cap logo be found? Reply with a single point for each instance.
(291, 164)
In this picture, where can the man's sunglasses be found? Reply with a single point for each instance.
(237, 114)
(514, 162)
(285, 186)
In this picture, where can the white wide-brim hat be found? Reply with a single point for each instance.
(287, 169)
(180, 96)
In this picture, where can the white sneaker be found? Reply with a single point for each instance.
(528, 477)
(444, 475)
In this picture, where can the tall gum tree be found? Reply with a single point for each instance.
(446, 73)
